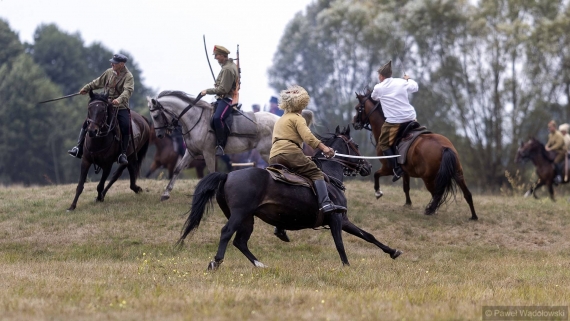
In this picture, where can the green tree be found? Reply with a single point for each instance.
(10, 45)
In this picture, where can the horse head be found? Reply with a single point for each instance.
(527, 150)
(97, 114)
(341, 142)
(162, 119)
(365, 107)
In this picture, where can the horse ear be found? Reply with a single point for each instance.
(337, 130)
(90, 93)
(347, 131)
(153, 101)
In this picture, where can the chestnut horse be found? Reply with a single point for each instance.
(431, 157)
(534, 151)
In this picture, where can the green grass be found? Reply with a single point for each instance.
(116, 260)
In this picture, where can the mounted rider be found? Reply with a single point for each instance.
(288, 133)
(564, 129)
(556, 144)
(393, 96)
(224, 89)
(119, 83)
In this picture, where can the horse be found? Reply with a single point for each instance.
(534, 151)
(102, 146)
(198, 136)
(252, 192)
(431, 157)
(166, 156)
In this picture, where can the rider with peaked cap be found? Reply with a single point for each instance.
(119, 83)
(223, 89)
(393, 96)
(288, 133)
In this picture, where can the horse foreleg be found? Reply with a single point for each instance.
(551, 191)
(377, 192)
(467, 195)
(242, 237)
(182, 164)
(133, 176)
(85, 165)
(100, 192)
(539, 184)
(152, 168)
(335, 223)
(227, 232)
(406, 187)
(350, 228)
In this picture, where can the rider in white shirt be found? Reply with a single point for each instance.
(392, 93)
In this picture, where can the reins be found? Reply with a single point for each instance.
(350, 168)
(109, 125)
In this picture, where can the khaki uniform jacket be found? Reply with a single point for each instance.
(119, 86)
(288, 134)
(556, 143)
(226, 81)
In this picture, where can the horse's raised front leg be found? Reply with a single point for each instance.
(85, 165)
(350, 228)
(114, 178)
(182, 164)
(377, 192)
(406, 186)
(101, 190)
(335, 224)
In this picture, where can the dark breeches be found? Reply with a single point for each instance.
(124, 121)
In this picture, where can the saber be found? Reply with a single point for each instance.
(208, 57)
(364, 157)
(68, 96)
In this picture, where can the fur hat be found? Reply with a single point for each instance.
(386, 70)
(564, 127)
(294, 99)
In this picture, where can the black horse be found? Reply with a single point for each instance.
(102, 146)
(252, 192)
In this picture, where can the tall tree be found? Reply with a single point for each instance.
(10, 45)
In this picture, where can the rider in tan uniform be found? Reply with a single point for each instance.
(556, 143)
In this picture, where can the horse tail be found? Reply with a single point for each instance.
(141, 154)
(203, 195)
(445, 184)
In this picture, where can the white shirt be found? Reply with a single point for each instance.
(393, 95)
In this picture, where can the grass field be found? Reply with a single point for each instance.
(115, 260)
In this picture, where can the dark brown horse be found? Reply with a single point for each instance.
(102, 146)
(252, 192)
(167, 156)
(431, 157)
(534, 151)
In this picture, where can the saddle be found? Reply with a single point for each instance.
(406, 135)
(238, 124)
(282, 174)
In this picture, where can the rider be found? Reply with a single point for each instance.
(393, 96)
(289, 132)
(224, 90)
(564, 129)
(119, 84)
(556, 143)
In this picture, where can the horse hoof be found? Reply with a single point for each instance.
(378, 194)
(474, 218)
(164, 198)
(213, 265)
(396, 254)
(99, 199)
(71, 209)
(137, 189)
(527, 194)
(428, 213)
(258, 264)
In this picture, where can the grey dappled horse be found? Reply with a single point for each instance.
(199, 138)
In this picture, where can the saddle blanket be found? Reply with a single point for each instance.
(406, 142)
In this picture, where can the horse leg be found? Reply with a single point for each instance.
(467, 195)
(114, 178)
(539, 184)
(336, 231)
(152, 168)
(227, 232)
(242, 237)
(406, 186)
(100, 192)
(179, 167)
(85, 165)
(133, 176)
(350, 228)
(377, 192)
(551, 191)
(432, 206)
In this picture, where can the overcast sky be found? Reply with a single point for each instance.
(165, 36)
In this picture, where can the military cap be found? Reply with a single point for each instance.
(221, 50)
(118, 58)
(386, 70)
(564, 127)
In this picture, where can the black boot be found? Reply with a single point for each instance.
(77, 151)
(281, 234)
(124, 145)
(557, 174)
(325, 204)
(396, 169)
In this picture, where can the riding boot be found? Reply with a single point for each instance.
(281, 234)
(220, 141)
(77, 151)
(326, 206)
(557, 173)
(396, 169)
(124, 145)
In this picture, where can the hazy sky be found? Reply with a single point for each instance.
(165, 36)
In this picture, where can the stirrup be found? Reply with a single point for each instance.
(397, 174)
(75, 152)
(220, 150)
(557, 179)
(330, 207)
(122, 159)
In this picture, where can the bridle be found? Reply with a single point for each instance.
(170, 126)
(109, 125)
(350, 168)
(360, 123)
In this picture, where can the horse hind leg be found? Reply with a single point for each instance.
(133, 176)
(100, 191)
(179, 167)
(350, 228)
(467, 195)
(242, 237)
(226, 234)
(114, 178)
(406, 187)
(336, 231)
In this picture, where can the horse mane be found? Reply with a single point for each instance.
(543, 151)
(184, 97)
(98, 96)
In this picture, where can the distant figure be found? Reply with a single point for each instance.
(255, 108)
(556, 144)
(564, 129)
(274, 106)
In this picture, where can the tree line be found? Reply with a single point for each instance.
(34, 138)
(491, 72)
